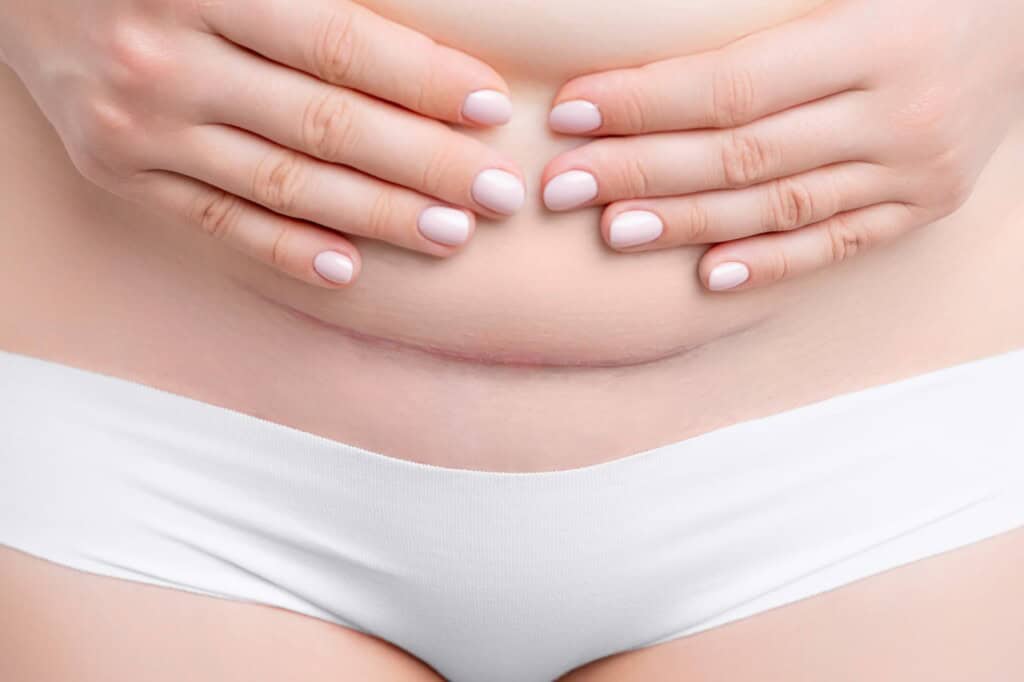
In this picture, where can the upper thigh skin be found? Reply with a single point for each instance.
(955, 617)
(61, 624)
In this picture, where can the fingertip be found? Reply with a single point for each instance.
(336, 267)
(459, 88)
(626, 228)
(575, 117)
(569, 190)
(487, 107)
(727, 275)
(499, 190)
(563, 163)
(446, 225)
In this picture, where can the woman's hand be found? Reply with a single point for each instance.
(271, 124)
(829, 134)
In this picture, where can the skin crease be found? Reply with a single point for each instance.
(786, 175)
(117, 289)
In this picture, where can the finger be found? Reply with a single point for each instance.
(776, 206)
(296, 185)
(670, 164)
(344, 126)
(800, 61)
(306, 252)
(346, 44)
(767, 258)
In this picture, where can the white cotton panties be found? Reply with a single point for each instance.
(507, 576)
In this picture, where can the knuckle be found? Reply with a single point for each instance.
(843, 239)
(335, 47)
(777, 267)
(139, 62)
(698, 223)
(929, 126)
(634, 102)
(278, 256)
(435, 172)
(329, 128)
(746, 159)
(421, 95)
(430, 83)
(381, 217)
(830, 199)
(925, 113)
(952, 180)
(790, 205)
(103, 122)
(216, 212)
(636, 178)
(732, 96)
(279, 180)
(105, 132)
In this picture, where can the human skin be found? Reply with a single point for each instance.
(115, 287)
(264, 124)
(947, 619)
(796, 145)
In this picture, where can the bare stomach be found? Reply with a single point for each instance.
(517, 325)
(536, 347)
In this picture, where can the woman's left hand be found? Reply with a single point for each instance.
(798, 146)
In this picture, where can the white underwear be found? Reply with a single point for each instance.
(507, 576)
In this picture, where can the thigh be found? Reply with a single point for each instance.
(60, 624)
(954, 617)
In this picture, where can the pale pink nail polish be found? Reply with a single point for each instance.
(569, 190)
(444, 225)
(499, 190)
(575, 116)
(488, 107)
(334, 266)
(631, 228)
(728, 275)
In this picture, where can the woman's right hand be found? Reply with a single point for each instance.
(271, 124)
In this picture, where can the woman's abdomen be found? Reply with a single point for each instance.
(540, 287)
(535, 347)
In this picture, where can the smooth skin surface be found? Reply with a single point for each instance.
(110, 285)
(61, 625)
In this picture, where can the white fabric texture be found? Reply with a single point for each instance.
(507, 576)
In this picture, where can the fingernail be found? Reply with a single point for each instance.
(570, 189)
(575, 116)
(444, 225)
(634, 227)
(488, 107)
(727, 276)
(499, 191)
(334, 266)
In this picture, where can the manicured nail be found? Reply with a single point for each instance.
(499, 191)
(489, 107)
(334, 266)
(569, 190)
(575, 116)
(634, 227)
(727, 276)
(444, 225)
